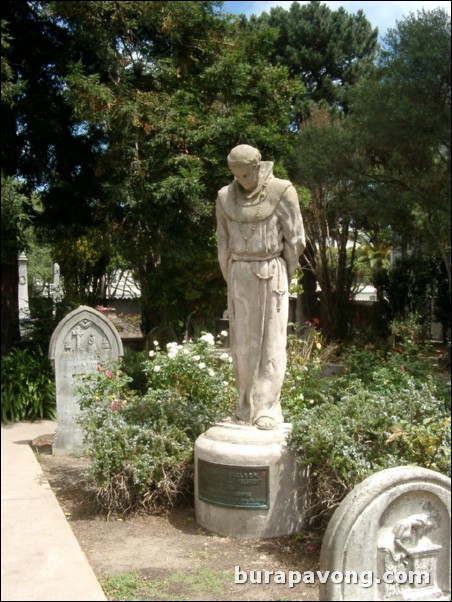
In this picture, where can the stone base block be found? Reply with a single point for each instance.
(247, 482)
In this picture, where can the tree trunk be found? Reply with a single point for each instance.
(309, 299)
(10, 305)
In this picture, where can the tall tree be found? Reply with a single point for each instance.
(329, 51)
(327, 163)
(129, 111)
(402, 119)
(171, 87)
(42, 145)
(16, 205)
(16, 210)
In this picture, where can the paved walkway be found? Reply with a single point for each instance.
(41, 557)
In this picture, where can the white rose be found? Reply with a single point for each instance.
(208, 338)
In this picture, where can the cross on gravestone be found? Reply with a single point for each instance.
(79, 343)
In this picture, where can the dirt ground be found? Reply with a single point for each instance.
(171, 557)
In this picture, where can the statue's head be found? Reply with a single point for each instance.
(243, 161)
(244, 154)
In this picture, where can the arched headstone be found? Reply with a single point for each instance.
(390, 539)
(79, 343)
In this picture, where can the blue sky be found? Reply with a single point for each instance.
(381, 14)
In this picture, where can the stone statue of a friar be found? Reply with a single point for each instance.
(260, 239)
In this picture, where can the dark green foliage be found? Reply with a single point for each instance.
(329, 51)
(17, 208)
(385, 411)
(413, 282)
(401, 117)
(28, 386)
(122, 115)
(132, 365)
(161, 92)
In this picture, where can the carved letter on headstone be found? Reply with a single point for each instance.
(79, 344)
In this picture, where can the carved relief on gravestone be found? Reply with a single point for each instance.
(394, 526)
(411, 546)
(86, 339)
(81, 341)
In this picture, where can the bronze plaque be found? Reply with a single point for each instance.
(233, 486)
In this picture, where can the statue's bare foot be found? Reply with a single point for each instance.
(265, 423)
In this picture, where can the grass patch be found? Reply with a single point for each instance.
(179, 586)
(125, 586)
(204, 581)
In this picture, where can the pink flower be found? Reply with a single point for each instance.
(108, 373)
(99, 368)
(113, 406)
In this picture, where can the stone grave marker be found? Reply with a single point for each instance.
(390, 539)
(78, 345)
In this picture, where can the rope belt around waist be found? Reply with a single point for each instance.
(278, 291)
(235, 257)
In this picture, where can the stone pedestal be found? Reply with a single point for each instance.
(247, 482)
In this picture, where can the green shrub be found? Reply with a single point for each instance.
(141, 445)
(28, 386)
(132, 365)
(304, 384)
(408, 331)
(381, 413)
(385, 410)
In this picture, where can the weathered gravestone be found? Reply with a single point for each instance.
(390, 539)
(79, 343)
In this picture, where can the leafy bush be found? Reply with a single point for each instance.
(385, 410)
(28, 386)
(381, 413)
(408, 330)
(141, 445)
(304, 384)
(132, 365)
(38, 327)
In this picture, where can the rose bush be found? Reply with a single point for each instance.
(141, 444)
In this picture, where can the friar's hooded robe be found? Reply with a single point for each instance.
(260, 238)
